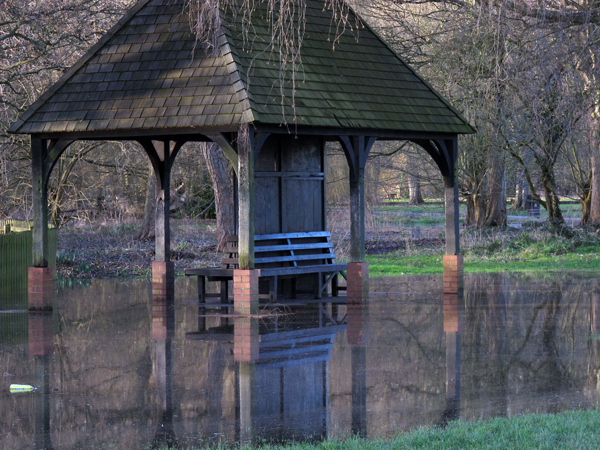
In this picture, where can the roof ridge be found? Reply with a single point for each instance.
(241, 89)
(412, 69)
(14, 128)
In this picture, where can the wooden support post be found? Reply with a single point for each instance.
(356, 149)
(162, 156)
(39, 172)
(450, 148)
(245, 197)
(163, 204)
(453, 260)
(452, 218)
(357, 215)
(40, 276)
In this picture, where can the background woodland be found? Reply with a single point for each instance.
(525, 74)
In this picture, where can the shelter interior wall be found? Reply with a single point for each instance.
(290, 185)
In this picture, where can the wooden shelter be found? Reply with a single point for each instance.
(144, 81)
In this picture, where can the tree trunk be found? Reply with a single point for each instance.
(521, 194)
(147, 231)
(586, 202)
(222, 180)
(415, 196)
(555, 217)
(495, 214)
(594, 206)
(475, 210)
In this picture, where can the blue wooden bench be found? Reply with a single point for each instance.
(282, 256)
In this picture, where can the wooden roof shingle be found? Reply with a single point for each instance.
(144, 74)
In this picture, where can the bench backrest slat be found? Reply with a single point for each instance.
(285, 250)
(274, 259)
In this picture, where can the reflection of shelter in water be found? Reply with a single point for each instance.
(163, 329)
(282, 382)
(41, 348)
(453, 327)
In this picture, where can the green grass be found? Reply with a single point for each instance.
(406, 221)
(529, 250)
(568, 210)
(413, 208)
(568, 430)
(395, 264)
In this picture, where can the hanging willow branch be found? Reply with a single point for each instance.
(287, 26)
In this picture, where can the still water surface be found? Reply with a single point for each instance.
(113, 366)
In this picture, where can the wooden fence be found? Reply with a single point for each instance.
(15, 258)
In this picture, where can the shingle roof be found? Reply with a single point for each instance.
(143, 75)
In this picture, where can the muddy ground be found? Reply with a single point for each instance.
(104, 250)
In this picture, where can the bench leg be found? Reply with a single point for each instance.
(293, 288)
(273, 288)
(319, 285)
(201, 289)
(334, 286)
(224, 295)
(201, 301)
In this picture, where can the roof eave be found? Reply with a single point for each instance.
(16, 126)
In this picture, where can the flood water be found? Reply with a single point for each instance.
(113, 366)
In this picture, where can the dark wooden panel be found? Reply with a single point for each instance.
(303, 204)
(301, 154)
(266, 212)
(317, 212)
(268, 158)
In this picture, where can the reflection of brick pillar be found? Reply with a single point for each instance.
(40, 281)
(453, 273)
(355, 323)
(245, 302)
(245, 339)
(40, 333)
(358, 282)
(163, 288)
(452, 308)
(159, 318)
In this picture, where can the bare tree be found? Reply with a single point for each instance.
(222, 179)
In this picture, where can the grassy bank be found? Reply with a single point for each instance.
(112, 250)
(524, 250)
(569, 430)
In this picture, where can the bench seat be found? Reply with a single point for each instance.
(278, 256)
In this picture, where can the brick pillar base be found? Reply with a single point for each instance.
(40, 283)
(163, 291)
(245, 291)
(163, 278)
(358, 283)
(41, 334)
(453, 273)
(245, 302)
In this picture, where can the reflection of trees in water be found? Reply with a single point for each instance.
(593, 381)
(485, 370)
(532, 335)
